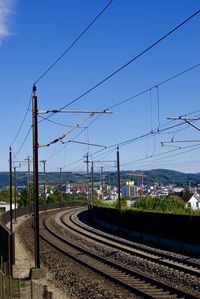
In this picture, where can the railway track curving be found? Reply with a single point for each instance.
(177, 262)
(52, 230)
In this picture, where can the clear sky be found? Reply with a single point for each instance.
(33, 34)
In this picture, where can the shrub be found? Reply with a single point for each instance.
(161, 204)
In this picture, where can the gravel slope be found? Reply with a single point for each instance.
(75, 280)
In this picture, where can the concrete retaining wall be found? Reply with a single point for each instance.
(177, 231)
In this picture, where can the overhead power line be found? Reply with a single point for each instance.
(129, 62)
(20, 127)
(26, 137)
(73, 43)
(189, 149)
(68, 132)
(111, 107)
(91, 114)
(56, 61)
(133, 97)
(59, 124)
(101, 82)
(129, 99)
(150, 133)
(145, 135)
(154, 86)
(82, 142)
(186, 120)
(83, 129)
(179, 141)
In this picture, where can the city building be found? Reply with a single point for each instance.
(192, 200)
(4, 206)
(129, 189)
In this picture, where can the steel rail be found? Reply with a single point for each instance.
(137, 282)
(187, 266)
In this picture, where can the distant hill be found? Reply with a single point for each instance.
(166, 176)
(161, 176)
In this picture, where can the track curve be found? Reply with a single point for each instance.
(52, 231)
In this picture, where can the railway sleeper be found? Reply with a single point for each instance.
(142, 285)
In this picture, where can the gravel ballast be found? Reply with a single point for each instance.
(77, 281)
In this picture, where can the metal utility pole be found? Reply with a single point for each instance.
(87, 178)
(60, 186)
(15, 189)
(88, 185)
(44, 187)
(15, 193)
(92, 185)
(35, 176)
(10, 168)
(87, 161)
(11, 216)
(29, 186)
(102, 181)
(118, 179)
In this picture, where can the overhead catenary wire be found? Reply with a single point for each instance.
(158, 105)
(189, 149)
(118, 103)
(148, 134)
(151, 108)
(135, 139)
(131, 98)
(29, 131)
(56, 61)
(112, 147)
(135, 96)
(179, 141)
(152, 132)
(73, 43)
(68, 132)
(82, 142)
(70, 164)
(77, 168)
(192, 148)
(102, 155)
(150, 157)
(84, 128)
(128, 63)
(26, 137)
(60, 124)
(154, 86)
(23, 120)
(65, 145)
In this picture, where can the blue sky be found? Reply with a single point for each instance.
(33, 34)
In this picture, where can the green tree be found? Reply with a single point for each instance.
(54, 197)
(24, 197)
(5, 195)
(161, 204)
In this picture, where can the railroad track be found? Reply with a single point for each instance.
(184, 264)
(138, 283)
